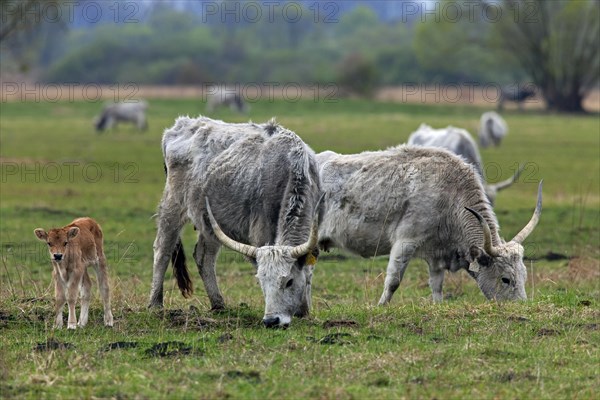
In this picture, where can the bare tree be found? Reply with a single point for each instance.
(557, 44)
(21, 15)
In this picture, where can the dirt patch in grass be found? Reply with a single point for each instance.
(413, 328)
(52, 344)
(333, 338)
(340, 323)
(511, 376)
(188, 320)
(250, 376)
(547, 332)
(170, 349)
(119, 346)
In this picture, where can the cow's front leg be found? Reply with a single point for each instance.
(436, 279)
(205, 255)
(169, 226)
(399, 257)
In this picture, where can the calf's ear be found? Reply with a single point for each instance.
(41, 234)
(74, 231)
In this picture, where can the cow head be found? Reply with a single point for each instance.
(57, 240)
(284, 273)
(499, 270)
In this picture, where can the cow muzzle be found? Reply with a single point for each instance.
(276, 322)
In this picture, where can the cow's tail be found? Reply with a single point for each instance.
(180, 270)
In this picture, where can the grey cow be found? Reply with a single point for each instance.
(222, 96)
(459, 142)
(113, 113)
(262, 184)
(492, 129)
(420, 202)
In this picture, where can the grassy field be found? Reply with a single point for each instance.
(55, 168)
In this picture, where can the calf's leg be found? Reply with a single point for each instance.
(104, 288)
(86, 294)
(60, 300)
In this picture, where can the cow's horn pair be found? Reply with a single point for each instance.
(250, 251)
(520, 237)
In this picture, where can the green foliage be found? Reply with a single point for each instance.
(467, 347)
(175, 47)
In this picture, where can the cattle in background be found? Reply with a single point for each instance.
(421, 202)
(517, 94)
(492, 129)
(263, 186)
(222, 96)
(72, 249)
(460, 142)
(114, 113)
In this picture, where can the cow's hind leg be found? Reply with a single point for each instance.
(86, 293)
(205, 254)
(169, 226)
(399, 257)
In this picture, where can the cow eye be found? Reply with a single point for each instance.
(66, 243)
(289, 283)
(49, 245)
(506, 281)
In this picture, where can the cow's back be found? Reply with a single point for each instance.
(245, 170)
(373, 197)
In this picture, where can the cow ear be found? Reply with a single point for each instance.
(74, 231)
(309, 259)
(479, 255)
(41, 234)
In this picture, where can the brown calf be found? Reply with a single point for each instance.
(72, 249)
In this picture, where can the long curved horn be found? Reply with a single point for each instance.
(521, 236)
(506, 183)
(488, 247)
(245, 249)
(304, 248)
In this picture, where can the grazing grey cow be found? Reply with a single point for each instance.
(421, 202)
(459, 142)
(516, 94)
(134, 112)
(492, 129)
(262, 184)
(221, 96)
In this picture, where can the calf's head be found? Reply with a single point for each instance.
(499, 270)
(57, 240)
(284, 274)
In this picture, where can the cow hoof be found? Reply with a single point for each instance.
(72, 326)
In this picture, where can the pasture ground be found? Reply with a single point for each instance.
(55, 168)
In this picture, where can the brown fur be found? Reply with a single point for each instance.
(72, 249)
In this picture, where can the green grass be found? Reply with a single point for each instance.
(467, 347)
